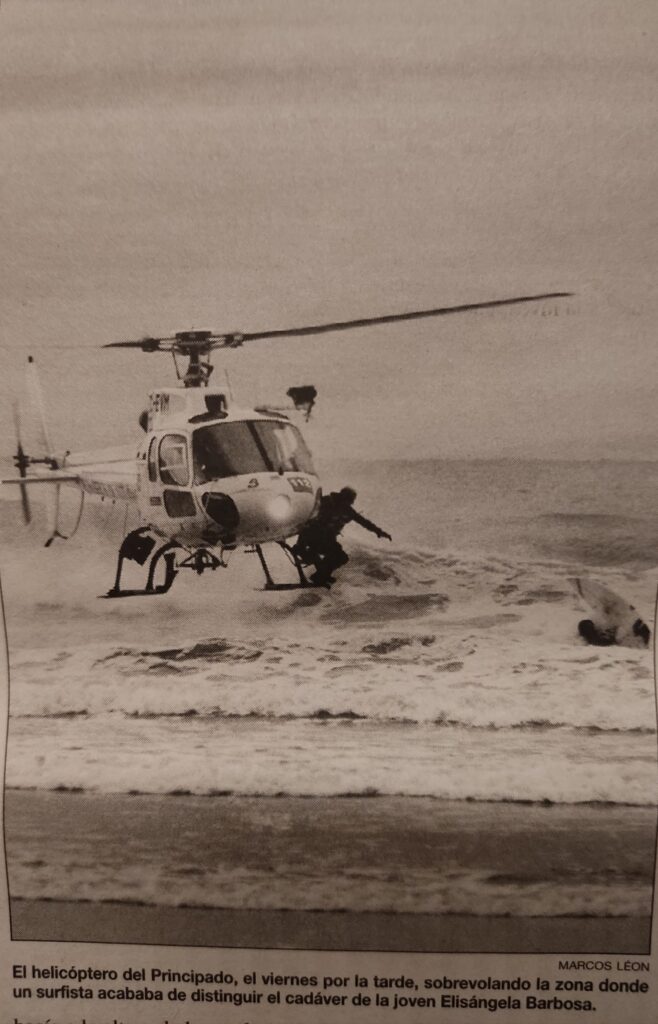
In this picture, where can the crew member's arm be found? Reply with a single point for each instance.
(367, 525)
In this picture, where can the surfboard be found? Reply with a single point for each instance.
(615, 621)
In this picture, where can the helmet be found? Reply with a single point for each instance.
(348, 494)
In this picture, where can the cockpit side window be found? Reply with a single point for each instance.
(284, 446)
(173, 460)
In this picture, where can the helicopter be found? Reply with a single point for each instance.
(208, 476)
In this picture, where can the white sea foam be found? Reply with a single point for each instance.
(426, 670)
(328, 758)
(429, 892)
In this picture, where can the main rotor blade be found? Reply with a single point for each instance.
(345, 325)
(147, 344)
(234, 340)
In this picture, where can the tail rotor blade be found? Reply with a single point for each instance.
(25, 504)
(22, 462)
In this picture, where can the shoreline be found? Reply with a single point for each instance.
(365, 794)
(389, 874)
(323, 930)
(543, 804)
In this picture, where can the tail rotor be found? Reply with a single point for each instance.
(34, 406)
(21, 461)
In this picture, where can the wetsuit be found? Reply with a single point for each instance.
(318, 543)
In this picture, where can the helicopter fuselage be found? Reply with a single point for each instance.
(208, 474)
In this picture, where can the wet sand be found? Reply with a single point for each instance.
(80, 866)
(53, 921)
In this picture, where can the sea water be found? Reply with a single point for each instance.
(444, 665)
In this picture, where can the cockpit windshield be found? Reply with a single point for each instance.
(248, 446)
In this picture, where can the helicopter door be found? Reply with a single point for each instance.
(150, 482)
(174, 473)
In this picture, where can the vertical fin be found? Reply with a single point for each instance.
(36, 396)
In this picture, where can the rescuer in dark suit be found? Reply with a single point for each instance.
(318, 543)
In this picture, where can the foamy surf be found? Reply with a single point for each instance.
(452, 676)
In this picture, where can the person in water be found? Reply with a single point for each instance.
(599, 637)
(318, 543)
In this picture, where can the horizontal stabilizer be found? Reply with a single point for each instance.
(52, 478)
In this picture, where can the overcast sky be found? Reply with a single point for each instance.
(244, 165)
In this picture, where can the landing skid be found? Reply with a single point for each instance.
(270, 584)
(138, 547)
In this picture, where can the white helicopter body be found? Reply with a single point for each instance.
(207, 477)
(244, 478)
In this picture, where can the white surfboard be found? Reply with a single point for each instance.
(613, 617)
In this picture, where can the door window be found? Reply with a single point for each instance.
(174, 464)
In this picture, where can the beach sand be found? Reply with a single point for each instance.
(62, 921)
(120, 868)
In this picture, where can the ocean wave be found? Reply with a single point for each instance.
(470, 672)
(457, 675)
(382, 856)
(380, 587)
(325, 757)
(367, 793)
(348, 715)
(355, 892)
(348, 894)
(598, 539)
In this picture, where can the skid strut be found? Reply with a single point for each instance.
(269, 582)
(138, 546)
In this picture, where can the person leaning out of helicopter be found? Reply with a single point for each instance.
(318, 543)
